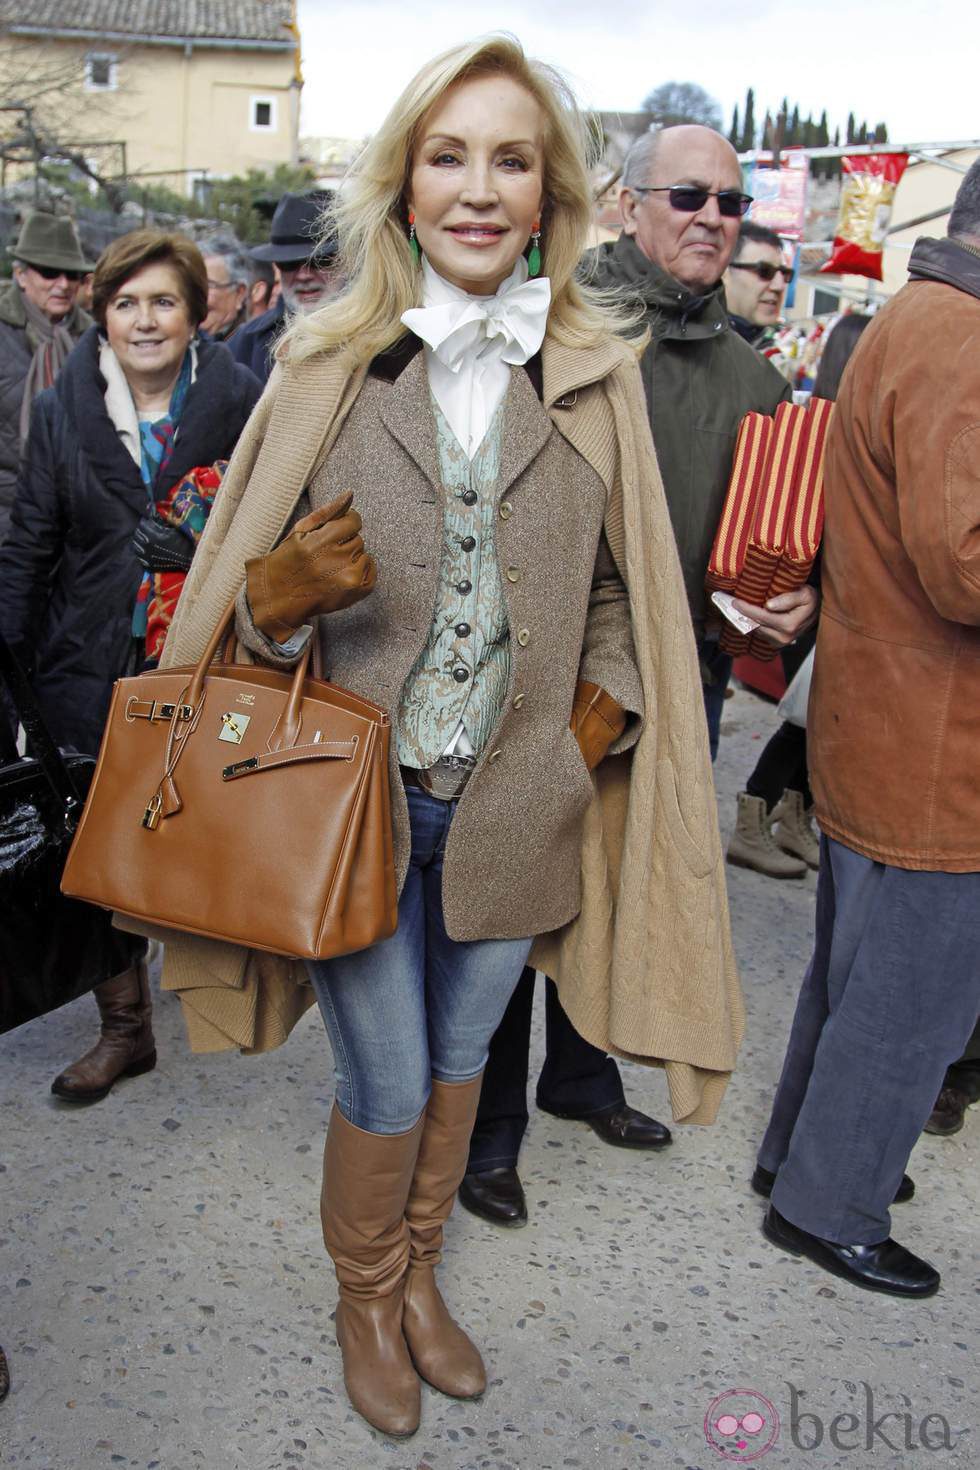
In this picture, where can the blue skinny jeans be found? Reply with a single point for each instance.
(416, 1006)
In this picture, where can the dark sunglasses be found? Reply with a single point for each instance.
(52, 272)
(689, 199)
(763, 269)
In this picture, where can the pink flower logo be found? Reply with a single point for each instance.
(742, 1425)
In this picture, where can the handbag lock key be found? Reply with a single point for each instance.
(151, 817)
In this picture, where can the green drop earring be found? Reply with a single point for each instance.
(413, 244)
(534, 258)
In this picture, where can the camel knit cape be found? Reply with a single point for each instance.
(646, 970)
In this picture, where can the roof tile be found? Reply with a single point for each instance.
(240, 20)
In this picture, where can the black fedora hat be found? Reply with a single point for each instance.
(296, 229)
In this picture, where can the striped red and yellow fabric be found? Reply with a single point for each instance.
(772, 521)
(735, 526)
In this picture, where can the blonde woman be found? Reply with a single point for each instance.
(472, 403)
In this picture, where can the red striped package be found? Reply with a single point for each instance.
(772, 521)
(728, 552)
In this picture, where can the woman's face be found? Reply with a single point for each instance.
(477, 181)
(148, 325)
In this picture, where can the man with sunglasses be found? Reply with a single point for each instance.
(755, 284)
(682, 207)
(681, 203)
(40, 322)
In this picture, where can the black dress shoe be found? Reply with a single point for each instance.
(949, 1113)
(763, 1181)
(496, 1195)
(622, 1126)
(887, 1266)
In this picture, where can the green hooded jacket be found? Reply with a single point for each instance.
(700, 379)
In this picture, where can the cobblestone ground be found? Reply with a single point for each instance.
(165, 1300)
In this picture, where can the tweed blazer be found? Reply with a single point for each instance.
(511, 866)
(641, 949)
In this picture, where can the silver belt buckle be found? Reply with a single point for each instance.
(447, 778)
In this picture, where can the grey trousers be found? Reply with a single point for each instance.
(889, 1000)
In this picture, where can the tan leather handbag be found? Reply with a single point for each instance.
(243, 804)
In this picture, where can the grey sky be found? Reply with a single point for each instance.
(911, 65)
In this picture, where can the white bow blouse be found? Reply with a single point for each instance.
(471, 343)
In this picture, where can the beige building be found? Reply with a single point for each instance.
(926, 187)
(190, 87)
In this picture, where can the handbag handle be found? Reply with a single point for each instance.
(287, 729)
(46, 752)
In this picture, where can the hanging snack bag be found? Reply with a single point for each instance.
(867, 196)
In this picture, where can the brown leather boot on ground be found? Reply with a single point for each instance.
(440, 1349)
(752, 844)
(125, 1048)
(366, 1179)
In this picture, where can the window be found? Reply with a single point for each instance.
(100, 72)
(262, 115)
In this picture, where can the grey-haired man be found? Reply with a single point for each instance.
(229, 276)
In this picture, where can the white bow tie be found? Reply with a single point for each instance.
(459, 327)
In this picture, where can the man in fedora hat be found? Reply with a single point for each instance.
(40, 322)
(308, 275)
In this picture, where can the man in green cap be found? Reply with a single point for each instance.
(40, 323)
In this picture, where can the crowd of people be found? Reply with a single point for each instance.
(521, 451)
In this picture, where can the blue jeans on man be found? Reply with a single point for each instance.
(716, 670)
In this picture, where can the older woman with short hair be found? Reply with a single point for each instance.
(140, 402)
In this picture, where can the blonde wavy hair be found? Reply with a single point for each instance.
(370, 215)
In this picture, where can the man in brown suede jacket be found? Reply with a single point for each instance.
(893, 989)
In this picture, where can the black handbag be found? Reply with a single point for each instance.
(52, 948)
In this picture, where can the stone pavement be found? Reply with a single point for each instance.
(166, 1304)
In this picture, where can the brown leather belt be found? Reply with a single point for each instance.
(446, 780)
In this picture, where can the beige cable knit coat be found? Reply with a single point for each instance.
(646, 970)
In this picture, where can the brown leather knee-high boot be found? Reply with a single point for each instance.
(366, 1179)
(125, 1047)
(440, 1349)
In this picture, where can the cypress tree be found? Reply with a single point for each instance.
(734, 135)
(748, 125)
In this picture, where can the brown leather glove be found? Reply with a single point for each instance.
(597, 720)
(320, 567)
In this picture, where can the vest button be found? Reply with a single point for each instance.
(464, 587)
(461, 675)
(506, 510)
(469, 497)
(524, 637)
(463, 630)
(468, 543)
(513, 574)
(519, 700)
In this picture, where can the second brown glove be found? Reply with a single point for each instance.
(320, 567)
(597, 720)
